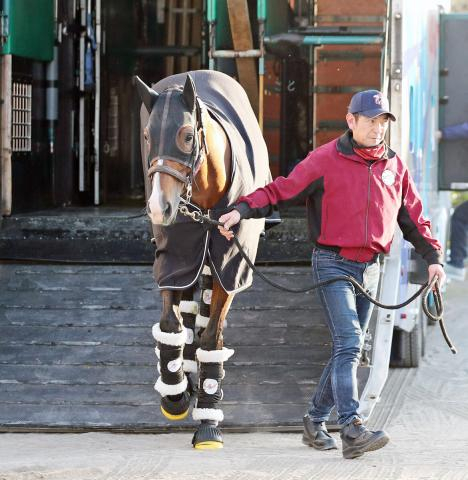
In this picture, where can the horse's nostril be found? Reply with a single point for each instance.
(167, 210)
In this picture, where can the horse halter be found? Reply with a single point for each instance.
(194, 161)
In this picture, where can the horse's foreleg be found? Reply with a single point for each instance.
(171, 336)
(189, 309)
(211, 355)
(206, 287)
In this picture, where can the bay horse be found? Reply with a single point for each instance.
(201, 149)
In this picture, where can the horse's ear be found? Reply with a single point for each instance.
(190, 93)
(148, 95)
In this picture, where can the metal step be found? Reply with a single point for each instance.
(114, 235)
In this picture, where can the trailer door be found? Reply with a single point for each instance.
(453, 155)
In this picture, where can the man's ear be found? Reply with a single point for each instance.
(148, 95)
(351, 121)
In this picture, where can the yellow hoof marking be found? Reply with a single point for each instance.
(169, 416)
(208, 445)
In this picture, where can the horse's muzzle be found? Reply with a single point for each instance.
(166, 216)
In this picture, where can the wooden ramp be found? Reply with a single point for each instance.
(76, 351)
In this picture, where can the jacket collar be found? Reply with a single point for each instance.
(345, 147)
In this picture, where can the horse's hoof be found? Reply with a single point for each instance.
(207, 437)
(176, 409)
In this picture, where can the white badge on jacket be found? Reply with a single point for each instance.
(388, 177)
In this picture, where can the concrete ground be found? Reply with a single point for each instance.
(428, 430)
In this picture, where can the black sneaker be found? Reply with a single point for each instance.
(316, 435)
(357, 439)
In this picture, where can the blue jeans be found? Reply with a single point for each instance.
(347, 315)
(458, 235)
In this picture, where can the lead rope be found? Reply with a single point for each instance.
(424, 290)
(144, 213)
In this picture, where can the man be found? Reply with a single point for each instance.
(356, 190)
(455, 268)
(458, 240)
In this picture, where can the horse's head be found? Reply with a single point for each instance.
(174, 144)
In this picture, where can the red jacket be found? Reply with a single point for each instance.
(353, 206)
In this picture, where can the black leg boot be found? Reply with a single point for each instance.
(206, 287)
(172, 383)
(211, 372)
(189, 310)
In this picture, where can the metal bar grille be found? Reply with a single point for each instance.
(21, 117)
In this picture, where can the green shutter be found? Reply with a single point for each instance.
(30, 28)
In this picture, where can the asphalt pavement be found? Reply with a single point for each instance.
(428, 429)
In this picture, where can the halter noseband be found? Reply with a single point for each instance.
(155, 167)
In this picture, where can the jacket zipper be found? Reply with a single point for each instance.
(368, 202)
(369, 174)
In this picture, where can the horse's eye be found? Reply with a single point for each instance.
(184, 138)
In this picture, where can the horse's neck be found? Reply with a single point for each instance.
(213, 178)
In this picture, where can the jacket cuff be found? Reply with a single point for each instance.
(244, 209)
(433, 257)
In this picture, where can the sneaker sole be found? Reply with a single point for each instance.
(354, 452)
(307, 442)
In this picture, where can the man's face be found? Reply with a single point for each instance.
(368, 132)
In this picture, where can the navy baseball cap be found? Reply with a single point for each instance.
(370, 103)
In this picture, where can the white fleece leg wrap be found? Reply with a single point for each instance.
(214, 356)
(190, 366)
(174, 339)
(165, 389)
(188, 306)
(201, 321)
(207, 414)
(157, 352)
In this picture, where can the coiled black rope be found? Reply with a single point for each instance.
(432, 285)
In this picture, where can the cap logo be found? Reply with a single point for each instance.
(378, 99)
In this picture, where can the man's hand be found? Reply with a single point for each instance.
(229, 219)
(438, 270)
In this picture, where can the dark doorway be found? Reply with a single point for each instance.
(140, 39)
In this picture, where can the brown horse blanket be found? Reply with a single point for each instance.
(182, 248)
